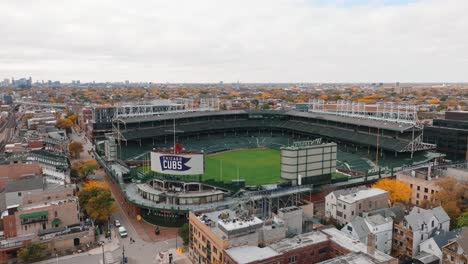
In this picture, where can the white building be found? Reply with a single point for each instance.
(381, 227)
(434, 244)
(345, 205)
(418, 226)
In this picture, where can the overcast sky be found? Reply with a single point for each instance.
(245, 40)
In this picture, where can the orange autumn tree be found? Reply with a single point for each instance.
(451, 196)
(92, 184)
(397, 190)
(97, 201)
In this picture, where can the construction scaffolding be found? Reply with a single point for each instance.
(161, 107)
(266, 202)
(382, 111)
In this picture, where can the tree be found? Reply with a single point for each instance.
(84, 168)
(97, 202)
(98, 184)
(26, 117)
(451, 196)
(184, 233)
(462, 221)
(64, 123)
(75, 148)
(72, 116)
(398, 191)
(31, 252)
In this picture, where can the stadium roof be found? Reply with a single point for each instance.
(376, 123)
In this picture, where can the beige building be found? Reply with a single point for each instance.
(345, 205)
(32, 218)
(423, 181)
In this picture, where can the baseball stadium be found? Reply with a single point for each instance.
(242, 155)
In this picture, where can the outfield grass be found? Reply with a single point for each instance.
(255, 166)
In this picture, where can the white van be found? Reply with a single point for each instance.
(122, 231)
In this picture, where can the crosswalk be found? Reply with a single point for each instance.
(108, 258)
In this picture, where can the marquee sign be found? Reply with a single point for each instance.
(177, 164)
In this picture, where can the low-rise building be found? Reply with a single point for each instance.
(381, 227)
(325, 246)
(456, 251)
(416, 227)
(293, 217)
(211, 233)
(423, 180)
(32, 205)
(438, 240)
(345, 205)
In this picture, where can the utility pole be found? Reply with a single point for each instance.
(103, 258)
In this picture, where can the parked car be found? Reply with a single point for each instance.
(123, 232)
(117, 223)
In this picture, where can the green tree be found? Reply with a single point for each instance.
(97, 202)
(31, 252)
(462, 221)
(184, 233)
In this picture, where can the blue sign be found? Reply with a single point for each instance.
(176, 163)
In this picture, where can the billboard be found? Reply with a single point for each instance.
(177, 164)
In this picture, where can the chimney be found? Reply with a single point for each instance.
(371, 244)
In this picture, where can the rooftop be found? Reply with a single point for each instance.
(247, 254)
(47, 204)
(25, 184)
(353, 245)
(361, 194)
(299, 241)
(351, 258)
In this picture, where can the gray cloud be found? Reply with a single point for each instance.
(250, 41)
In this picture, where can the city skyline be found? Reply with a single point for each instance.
(346, 41)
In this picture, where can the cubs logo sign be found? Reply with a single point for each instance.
(176, 163)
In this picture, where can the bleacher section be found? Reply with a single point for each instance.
(348, 158)
(347, 135)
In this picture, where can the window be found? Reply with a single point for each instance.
(432, 191)
(417, 195)
(426, 190)
(344, 206)
(352, 212)
(432, 224)
(359, 206)
(370, 204)
(344, 216)
(56, 213)
(425, 197)
(323, 250)
(419, 188)
(350, 228)
(411, 186)
(19, 194)
(422, 236)
(215, 250)
(292, 259)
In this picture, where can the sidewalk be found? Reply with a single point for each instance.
(109, 246)
(145, 231)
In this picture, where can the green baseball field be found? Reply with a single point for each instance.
(255, 166)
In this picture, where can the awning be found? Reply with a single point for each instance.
(56, 221)
(33, 215)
